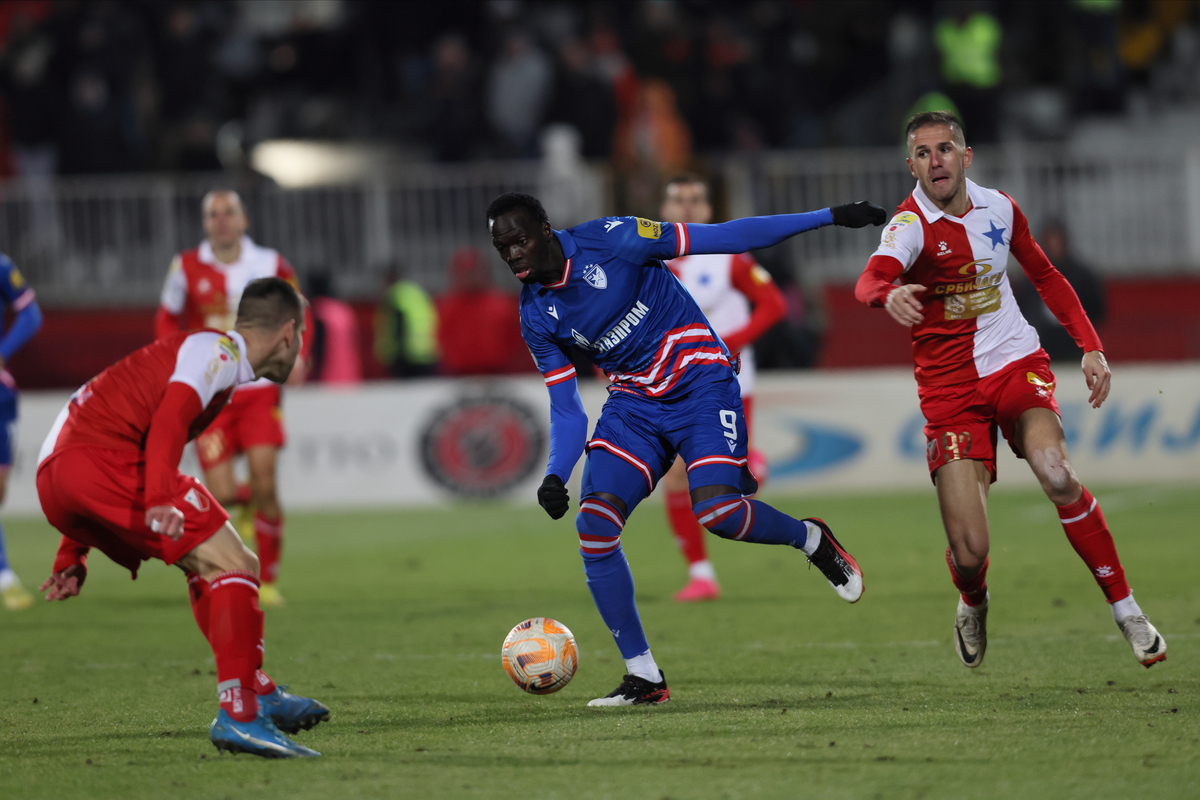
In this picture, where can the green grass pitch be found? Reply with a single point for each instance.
(780, 689)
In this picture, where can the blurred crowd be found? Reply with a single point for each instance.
(105, 86)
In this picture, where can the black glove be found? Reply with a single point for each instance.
(552, 496)
(858, 215)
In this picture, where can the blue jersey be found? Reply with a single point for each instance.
(620, 305)
(17, 295)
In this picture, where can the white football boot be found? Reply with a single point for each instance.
(1149, 647)
(970, 632)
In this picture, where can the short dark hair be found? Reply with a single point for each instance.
(929, 118)
(268, 303)
(685, 178)
(511, 201)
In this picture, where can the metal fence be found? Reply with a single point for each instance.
(1126, 213)
(109, 239)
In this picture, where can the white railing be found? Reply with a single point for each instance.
(1126, 213)
(110, 239)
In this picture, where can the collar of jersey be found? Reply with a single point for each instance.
(206, 256)
(245, 371)
(932, 213)
(569, 249)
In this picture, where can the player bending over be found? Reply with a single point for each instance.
(602, 286)
(741, 302)
(202, 291)
(980, 367)
(27, 318)
(108, 478)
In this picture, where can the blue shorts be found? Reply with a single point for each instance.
(8, 416)
(636, 440)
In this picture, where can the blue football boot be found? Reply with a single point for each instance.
(258, 737)
(291, 712)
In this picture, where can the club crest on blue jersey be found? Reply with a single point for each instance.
(594, 275)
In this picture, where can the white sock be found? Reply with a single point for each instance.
(7, 579)
(644, 667)
(1125, 608)
(702, 570)
(814, 538)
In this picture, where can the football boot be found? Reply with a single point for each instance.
(970, 632)
(838, 566)
(635, 691)
(291, 712)
(259, 737)
(1149, 647)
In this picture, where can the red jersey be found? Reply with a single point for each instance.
(202, 292)
(119, 408)
(972, 326)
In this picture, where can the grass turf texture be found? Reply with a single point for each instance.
(780, 689)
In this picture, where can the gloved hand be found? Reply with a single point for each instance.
(552, 496)
(858, 215)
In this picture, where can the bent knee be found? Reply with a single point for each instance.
(1056, 476)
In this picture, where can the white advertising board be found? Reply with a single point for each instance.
(439, 441)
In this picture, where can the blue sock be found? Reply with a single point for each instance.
(3, 553)
(732, 516)
(608, 577)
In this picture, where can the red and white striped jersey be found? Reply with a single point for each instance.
(202, 292)
(972, 326)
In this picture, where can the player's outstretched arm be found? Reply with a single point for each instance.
(753, 233)
(1098, 375)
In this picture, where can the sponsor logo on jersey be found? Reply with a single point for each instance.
(623, 328)
(983, 279)
(581, 340)
(943, 250)
(550, 310)
(898, 223)
(649, 230)
(594, 275)
(969, 269)
(482, 446)
(15, 278)
(612, 223)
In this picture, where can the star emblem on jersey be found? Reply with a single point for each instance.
(995, 234)
(608, 226)
(595, 276)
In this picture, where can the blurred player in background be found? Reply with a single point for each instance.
(979, 367)
(741, 302)
(18, 296)
(601, 286)
(202, 290)
(108, 477)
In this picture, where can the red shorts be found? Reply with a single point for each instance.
(96, 496)
(252, 418)
(961, 420)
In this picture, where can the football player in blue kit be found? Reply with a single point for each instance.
(602, 287)
(17, 295)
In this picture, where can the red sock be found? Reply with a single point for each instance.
(268, 538)
(241, 495)
(973, 590)
(1088, 534)
(688, 532)
(262, 682)
(199, 592)
(234, 633)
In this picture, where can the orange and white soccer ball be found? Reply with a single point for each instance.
(540, 655)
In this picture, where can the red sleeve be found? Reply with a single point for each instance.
(877, 280)
(166, 323)
(1056, 292)
(766, 301)
(165, 440)
(70, 553)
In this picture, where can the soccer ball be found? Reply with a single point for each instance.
(540, 656)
